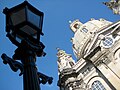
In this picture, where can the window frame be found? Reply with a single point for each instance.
(97, 85)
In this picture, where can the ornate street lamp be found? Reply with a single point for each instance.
(24, 27)
(23, 22)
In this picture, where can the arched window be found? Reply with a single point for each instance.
(117, 54)
(97, 85)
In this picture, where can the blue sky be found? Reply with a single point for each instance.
(56, 34)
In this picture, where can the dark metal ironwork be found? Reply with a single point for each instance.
(26, 53)
(14, 65)
(29, 46)
(44, 78)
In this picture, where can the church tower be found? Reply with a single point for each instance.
(96, 45)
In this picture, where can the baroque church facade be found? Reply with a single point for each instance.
(96, 45)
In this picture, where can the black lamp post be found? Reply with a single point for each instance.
(24, 27)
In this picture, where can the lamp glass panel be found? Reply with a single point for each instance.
(18, 17)
(33, 18)
(18, 38)
(30, 31)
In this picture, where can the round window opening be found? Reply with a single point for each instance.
(107, 42)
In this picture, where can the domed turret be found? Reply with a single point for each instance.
(64, 60)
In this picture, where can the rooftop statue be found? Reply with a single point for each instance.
(114, 5)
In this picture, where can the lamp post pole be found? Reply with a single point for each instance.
(30, 77)
(27, 53)
(28, 59)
